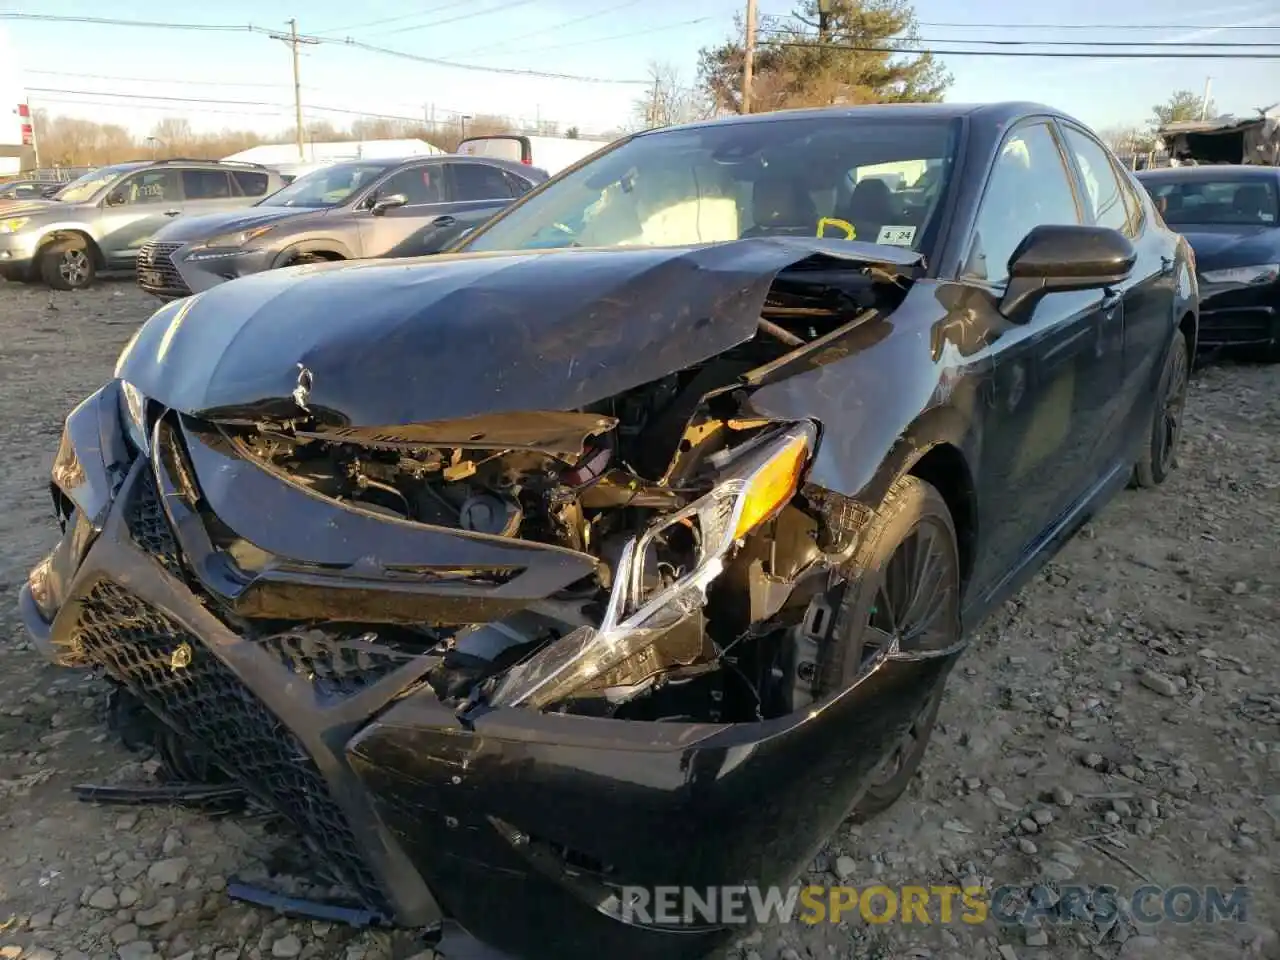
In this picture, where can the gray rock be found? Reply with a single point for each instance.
(126, 821)
(104, 898)
(1037, 938)
(1158, 682)
(286, 946)
(1026, 846)
(1042, 816)
(846, 867)
(40, 920)
(129, 896)
(164, 911)
(124, 933)
(168, 873)
(1063, 797)
(138, 950)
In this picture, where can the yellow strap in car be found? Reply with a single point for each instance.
(845, 225)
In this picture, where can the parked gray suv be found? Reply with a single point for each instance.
(354, 210)
(100, 221)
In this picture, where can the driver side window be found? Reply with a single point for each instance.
(1029, 186)
(418, 185)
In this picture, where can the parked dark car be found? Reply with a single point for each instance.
(346, 211)
(1231, 217)
(28, 189)
(630, 542)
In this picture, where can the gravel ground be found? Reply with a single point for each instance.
(1117, 723)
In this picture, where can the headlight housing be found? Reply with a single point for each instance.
(759, 479)
(13, 224)
(1244, 276)
(227, 245)
(134, 414)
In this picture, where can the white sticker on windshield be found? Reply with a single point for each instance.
(896, 236)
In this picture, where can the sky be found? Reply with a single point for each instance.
(72, 68)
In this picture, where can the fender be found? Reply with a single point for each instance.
(61, 231)
(313, 245)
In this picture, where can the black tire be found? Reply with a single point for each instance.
(908, 553)
(67, 264)
(1159, 456)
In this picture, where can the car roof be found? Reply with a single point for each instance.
(1215, 171)
(1002, 112)
(511, 165)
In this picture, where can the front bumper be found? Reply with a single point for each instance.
(17, 254)
(165, 270)
(518, 825)
(1239, 316)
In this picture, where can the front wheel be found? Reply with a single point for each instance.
(903, 590)
(1159, 455)
(67, 265)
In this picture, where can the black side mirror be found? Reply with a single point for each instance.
(115, 198)
(1053, 258)
(382, 204)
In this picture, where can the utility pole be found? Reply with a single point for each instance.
(824, 19)
(653, 102)
(292, 39)
(749, 56)
(1204, 103)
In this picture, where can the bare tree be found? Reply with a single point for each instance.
(668, 100)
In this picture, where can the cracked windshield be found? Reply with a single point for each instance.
(875, 181)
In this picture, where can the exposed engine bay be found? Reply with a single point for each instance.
(617, 476)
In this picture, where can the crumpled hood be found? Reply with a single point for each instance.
(211, 225)
(435, 338)
(1218, 247)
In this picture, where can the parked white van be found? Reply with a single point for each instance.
(551, 154)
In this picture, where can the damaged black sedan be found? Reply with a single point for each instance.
(631, 543)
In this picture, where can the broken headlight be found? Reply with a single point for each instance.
(134, 414)
(757, 481)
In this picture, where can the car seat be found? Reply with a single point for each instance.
(870, 206)
(1252, 201)
(781, 207)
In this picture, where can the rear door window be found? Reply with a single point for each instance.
(251, 182)
(206, 185)
(519, 185)
(478, 181)
(1102, 191)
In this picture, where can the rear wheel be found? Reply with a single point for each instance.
(67, 264)
(903, 591)
(1159, 455)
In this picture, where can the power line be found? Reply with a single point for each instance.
(1070, 54)
(347, 42)
(618, 36)
(551, 29)
(281, 112)
(164, 80)
(1093, 26)
(113, 22)
(500, 8)
(510, 71)
(406, 16)
(1073, 43)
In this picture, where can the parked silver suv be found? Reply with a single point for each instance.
(100, 221)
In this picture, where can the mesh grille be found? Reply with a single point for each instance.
(148, 525)
(156, 270)
(335, 665)
(166, 667)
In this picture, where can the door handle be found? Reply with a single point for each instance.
(1166, 264)
(172, 213)
(1110, 300)
(445, 221)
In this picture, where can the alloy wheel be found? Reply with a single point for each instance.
(916, 608)
(1173, 403)
(74, 267)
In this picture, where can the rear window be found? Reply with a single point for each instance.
(252, 183)
(205, 185)
(499, 148)
(1231, 200)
